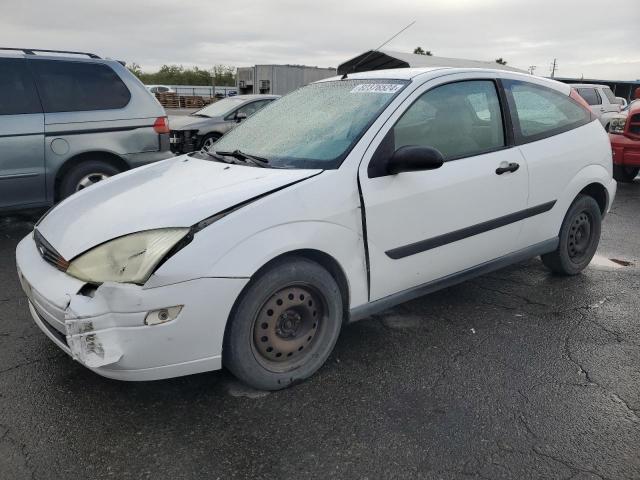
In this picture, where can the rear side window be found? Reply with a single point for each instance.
(541, 112)
(590, 95)
(459, 119)
(18, 93)
(609, 94)
(78, 86)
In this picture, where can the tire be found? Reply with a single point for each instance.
(284, 326)
(84, 175)
(209, 140)
(579, 237)
(625, 174)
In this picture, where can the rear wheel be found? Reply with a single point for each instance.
(625, 174)
(579, 238)
(85, 175)
(284, 326)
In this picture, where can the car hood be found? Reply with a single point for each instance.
(178, 192)
(188, 122)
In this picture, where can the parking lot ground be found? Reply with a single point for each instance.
(517, 374)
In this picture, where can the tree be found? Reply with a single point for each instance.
(135, 69)
(501, 61)
(420, 51)
(220, 75)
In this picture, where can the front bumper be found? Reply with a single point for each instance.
(184, 141)
(625, 151)
(104, 328)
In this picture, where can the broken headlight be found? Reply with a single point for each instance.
(128, 259)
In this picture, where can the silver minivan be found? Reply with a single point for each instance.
(68, 120)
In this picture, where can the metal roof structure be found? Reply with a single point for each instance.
(385, 59)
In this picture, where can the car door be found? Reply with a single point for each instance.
(609, 101)
(426, 225)
(547, 129)
(248, 109)
(593, 98)
(22, 165)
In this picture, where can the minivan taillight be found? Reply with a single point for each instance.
(161, 125)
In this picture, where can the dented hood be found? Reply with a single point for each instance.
(178, 192)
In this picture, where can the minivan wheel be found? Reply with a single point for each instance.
(84, 175)
(625, 174)
(284, 326)
(579, 237)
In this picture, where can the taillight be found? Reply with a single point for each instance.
(161, 125)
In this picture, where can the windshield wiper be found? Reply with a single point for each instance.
(237, 154)
(220, 158)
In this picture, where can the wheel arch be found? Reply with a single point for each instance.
(599, 193)
(107, 157)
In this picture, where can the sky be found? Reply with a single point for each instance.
(594, 39)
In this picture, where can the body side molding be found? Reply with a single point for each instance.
(440, 240)
(389, 301)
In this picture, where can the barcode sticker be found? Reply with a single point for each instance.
(377, 88)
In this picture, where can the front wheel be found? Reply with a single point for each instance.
(579, 238)
(284, 326)
(625, 174)
(208, 141)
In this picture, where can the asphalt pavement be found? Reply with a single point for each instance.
(518, 374)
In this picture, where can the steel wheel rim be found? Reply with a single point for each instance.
(287, 327)
(580, 237)
(90, 179)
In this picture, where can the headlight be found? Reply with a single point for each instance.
(617, 125)
(128, 259)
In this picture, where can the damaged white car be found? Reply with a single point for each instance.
(341, 199)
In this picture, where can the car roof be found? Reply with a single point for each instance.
(587, 85)
(256, 96)
(80, 57)
(427, 73)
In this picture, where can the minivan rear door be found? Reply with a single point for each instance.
(22, 167)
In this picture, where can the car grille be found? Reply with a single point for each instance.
(48, 253)
(634, 124)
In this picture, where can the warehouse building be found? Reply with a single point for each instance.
(278, 79)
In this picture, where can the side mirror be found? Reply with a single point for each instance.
(240, 116)
(411, 158)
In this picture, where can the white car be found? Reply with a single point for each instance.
(601, 100)
(339, 200)
(160, 89)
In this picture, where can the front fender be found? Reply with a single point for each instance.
(246, 257)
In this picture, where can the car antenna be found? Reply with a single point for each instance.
(353, 69)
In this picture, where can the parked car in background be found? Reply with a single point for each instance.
(601, 100)
(624, 133)
(160, 89)
(71, 120)
(203, 128)
(340, 200)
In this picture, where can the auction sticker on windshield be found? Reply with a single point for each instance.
(377, 88)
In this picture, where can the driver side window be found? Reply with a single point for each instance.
(458, 119)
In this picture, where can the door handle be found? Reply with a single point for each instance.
(512, 167)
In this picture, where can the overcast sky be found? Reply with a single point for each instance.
(592, 38)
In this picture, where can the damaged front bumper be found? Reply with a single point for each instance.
(104, 327)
